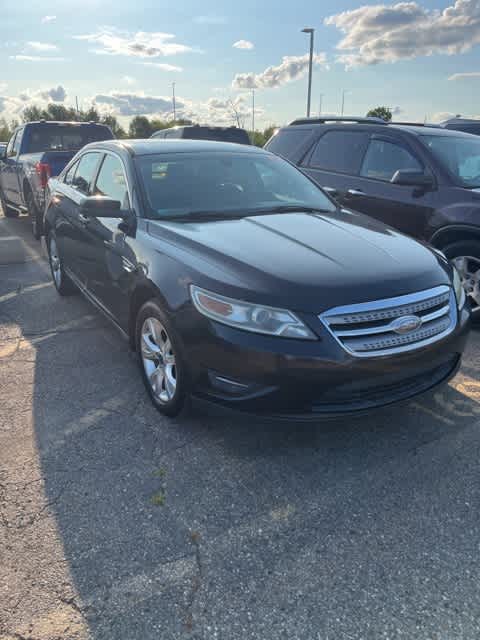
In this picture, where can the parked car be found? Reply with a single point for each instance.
(423, 180)
(251, 288)
(466, 125)
(3, 146)
(36, 151)
(197, 132)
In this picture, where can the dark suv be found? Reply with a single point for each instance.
(425, 181)
(467, 125)
(198, 132)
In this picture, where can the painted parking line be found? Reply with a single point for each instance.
(19, 292)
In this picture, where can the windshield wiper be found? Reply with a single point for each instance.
(191, 216)
(292, 208)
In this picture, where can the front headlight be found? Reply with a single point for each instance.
(250, 317)
(458, 288)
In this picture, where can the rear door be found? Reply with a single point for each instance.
(109, 272)
(11, 170)
(73, 235)
(336, 158)
(405, 207)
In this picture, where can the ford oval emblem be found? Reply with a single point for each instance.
(406, 324)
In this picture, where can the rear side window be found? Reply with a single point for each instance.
(340, 151)
(85, 174)
(51, 137)
(288, 141)
(383, 159)
(466, 128)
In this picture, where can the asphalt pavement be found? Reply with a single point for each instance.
(119, 524)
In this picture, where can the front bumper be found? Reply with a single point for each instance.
(301, 379)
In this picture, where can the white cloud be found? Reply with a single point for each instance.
(28, 58)
(446, 115)
(211, 19)
(402, 31)
(13, 106)
(135, 104)
(243, 44)
(396, 111)
(47, 19)
(141, 44)
(163, 66)
(41, 46)
(128, 80)
(291, 68)
(465, 76)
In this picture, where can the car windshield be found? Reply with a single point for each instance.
(226, 184)
(460, 155)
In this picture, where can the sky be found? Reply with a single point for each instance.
(421, 59)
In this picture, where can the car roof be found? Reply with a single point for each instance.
(376, 127)
(152, 146)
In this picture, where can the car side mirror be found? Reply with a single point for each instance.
(412, 179)
(100, 207)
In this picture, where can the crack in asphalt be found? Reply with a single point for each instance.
(197, 581)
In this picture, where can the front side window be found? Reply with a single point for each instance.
(111, 181)
(340, 151)
(459, 155)
(86, 172)
(383, 159)
(180, 184)
(68, 179)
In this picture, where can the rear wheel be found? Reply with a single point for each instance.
(8, 212)
(35, 214)
(465, 255)
(163, 369)
(62, 282)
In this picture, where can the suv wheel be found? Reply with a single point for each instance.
(35, 214)
(7, 211)
(163, 369)
(62, 282)
(465, 255)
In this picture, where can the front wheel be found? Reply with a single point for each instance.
(163, 370)
(465, 255)
(8, 212)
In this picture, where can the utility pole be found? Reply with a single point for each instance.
(343, 101)
(173, 102)
(320, 105)
(253, 116)
(76, 101)
(310, 68)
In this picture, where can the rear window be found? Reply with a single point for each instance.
(340, 151)
(64, 137)
(287, 142)
(466, 128)
(238, 136)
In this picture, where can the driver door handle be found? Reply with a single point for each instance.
(83, 219)
(330, 190)
(355, 192)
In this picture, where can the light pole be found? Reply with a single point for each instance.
(320, 105)
(344, 92)
(310, 67)
(173, 102)
(253, 116)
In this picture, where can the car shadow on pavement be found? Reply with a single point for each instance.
(233, 527)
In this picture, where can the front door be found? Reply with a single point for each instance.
(10, 181)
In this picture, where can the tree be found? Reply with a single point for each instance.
(140, 127)
(117, 130)
(7, 129)
(380, 112)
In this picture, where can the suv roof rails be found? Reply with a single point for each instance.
(415, 124)
(325, 119)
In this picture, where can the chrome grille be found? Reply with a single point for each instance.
(371, 328)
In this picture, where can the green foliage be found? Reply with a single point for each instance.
(140, 127)
(380, 112)
(7, 129)
(260, 138)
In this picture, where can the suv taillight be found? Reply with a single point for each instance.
(43, 172)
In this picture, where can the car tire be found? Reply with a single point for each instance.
(162, 364)
(63, 284)
(465, 255)
(36, 216)
(8, 212)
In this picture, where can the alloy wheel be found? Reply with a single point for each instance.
(158, 359)
(55, 263)
(469, 270)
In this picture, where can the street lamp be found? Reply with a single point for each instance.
(174, 103)
(344, 93)
(310, 67)
(320, 105)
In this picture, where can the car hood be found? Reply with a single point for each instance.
(307, 262)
